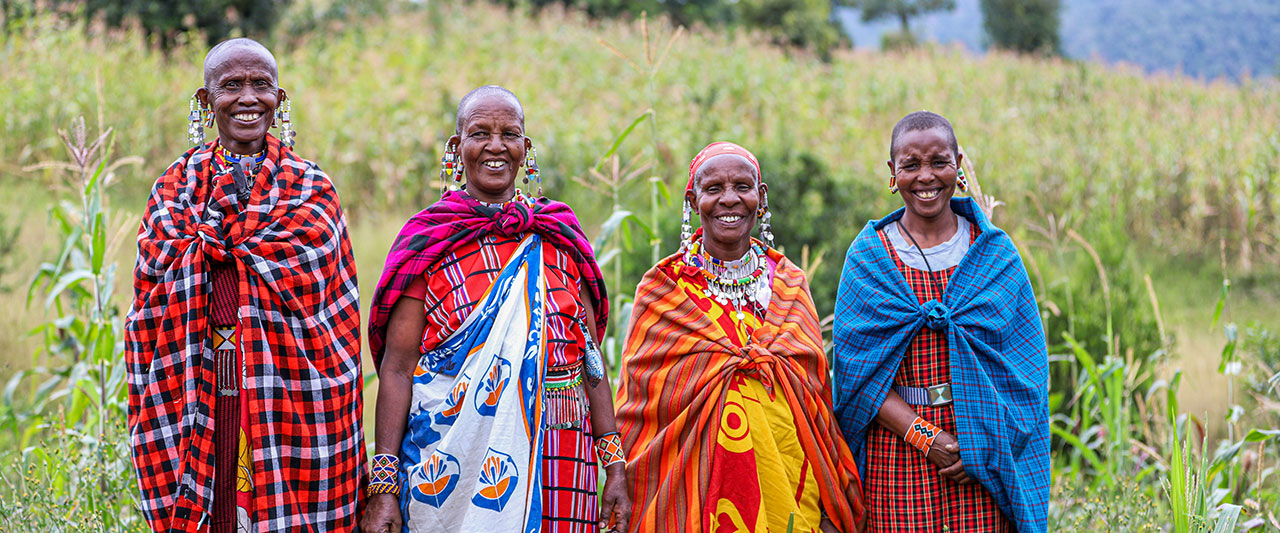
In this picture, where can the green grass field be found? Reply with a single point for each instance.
(1163, 176)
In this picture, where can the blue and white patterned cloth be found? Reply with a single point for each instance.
(999, 363)
(471, 457)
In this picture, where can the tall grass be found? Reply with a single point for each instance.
(1178, 161)
(1097, 166)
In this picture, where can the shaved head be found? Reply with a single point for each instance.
(480, 93)
(228, 49)
(918, 121)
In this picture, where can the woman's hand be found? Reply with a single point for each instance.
(615, 502)
(945, 454)
(381, 515)
(827, 527)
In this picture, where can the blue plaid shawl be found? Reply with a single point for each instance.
(999, 364)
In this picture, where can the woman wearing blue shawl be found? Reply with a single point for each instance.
(941, 372)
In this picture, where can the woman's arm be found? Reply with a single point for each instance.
(395, 392)
(616, 496)
(896, 415)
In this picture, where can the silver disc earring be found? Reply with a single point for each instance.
(195, 122)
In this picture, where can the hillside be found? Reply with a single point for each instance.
(1225, 39)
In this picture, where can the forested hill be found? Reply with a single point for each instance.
(1207, 39)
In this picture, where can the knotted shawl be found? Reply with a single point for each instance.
(676, 369)
(298, 337)
(457, 219)
(999, 364)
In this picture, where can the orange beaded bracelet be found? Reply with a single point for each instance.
(921, 434)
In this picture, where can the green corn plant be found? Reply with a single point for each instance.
(71, 469)
(608, 179)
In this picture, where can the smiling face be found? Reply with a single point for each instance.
(924, 167)
(726, 196)
(240, 89)
(492, 146)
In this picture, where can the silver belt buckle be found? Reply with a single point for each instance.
(940, 394)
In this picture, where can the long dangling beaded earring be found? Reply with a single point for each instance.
(286, 126)
(686, 230)
(766, 229)
(893, 184)
(196, 118)
(531, 169)
(450, 170)
(961, 182)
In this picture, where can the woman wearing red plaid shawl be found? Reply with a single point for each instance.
(941, 368)
(725, 403)
(242, 344)
(494, 408)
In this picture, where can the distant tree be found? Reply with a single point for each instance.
(796, 22)
(903, 10)
(14, 14)
(163, 21)
(1023, 25)
(805, 23)
(682, 12)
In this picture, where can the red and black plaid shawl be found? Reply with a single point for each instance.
(457, 219)
(298, 328)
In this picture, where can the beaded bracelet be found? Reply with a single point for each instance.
(609, 449)
(921, 434)
(383, 476)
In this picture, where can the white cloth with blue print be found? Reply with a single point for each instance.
(472, 451)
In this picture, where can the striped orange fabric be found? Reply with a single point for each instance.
(676, 368)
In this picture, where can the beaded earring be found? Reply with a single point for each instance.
(766, 229)
(286, 126)
(198, 118)
(450, 170)
(531, 169)
(893, 184)
(686, 230)
(961, 182)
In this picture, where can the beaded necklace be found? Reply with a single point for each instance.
(734, 283)
(225, 158)
(519, 196)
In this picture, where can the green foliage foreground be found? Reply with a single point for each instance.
(1092, 165)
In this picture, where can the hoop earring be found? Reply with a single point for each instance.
(286, 126)
(450, 170)
(531, 169)
(766, 229)
(686, 230)
(961, 182)
(893, 184)
(197, 116)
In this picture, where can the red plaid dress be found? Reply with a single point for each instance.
(904, 491)
(451, 289)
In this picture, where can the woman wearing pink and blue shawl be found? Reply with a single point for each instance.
(941, 370)
(493, 407)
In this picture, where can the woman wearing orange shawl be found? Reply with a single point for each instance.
(724, 402)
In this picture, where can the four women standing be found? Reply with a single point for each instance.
(494, 409)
